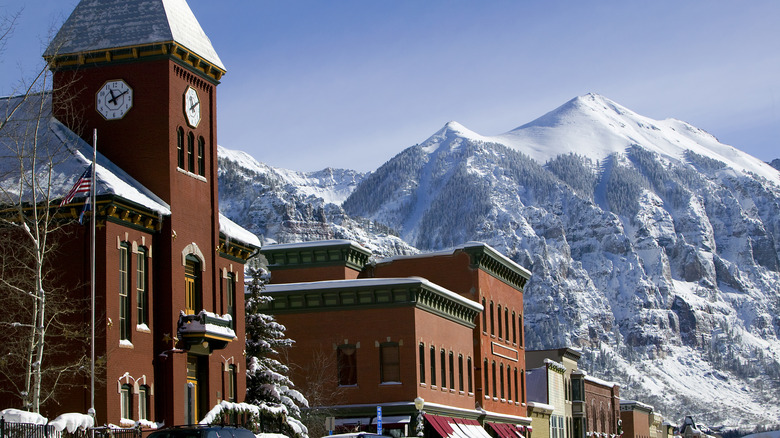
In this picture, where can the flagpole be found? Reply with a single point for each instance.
(94, 220)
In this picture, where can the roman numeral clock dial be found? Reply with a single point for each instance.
(114, 99)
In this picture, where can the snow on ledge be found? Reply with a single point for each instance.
(236, 232)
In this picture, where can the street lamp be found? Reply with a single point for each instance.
(419, 404)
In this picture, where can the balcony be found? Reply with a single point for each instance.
(205, 330)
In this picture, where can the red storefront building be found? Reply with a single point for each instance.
(445, 329)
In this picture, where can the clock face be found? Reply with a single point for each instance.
(192, 107)
(114, 99)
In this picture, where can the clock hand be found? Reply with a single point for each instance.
(192, 107)
(114, 98)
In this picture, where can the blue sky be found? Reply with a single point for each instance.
(350, 83)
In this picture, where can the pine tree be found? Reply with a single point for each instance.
(268, 384)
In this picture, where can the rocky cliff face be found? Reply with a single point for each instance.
(654, 249)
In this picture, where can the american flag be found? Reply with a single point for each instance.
(82, 186)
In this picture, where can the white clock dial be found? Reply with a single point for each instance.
(114, 99)
(192, 107)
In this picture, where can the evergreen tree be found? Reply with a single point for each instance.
(268, 385)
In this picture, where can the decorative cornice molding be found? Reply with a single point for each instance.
(299, 256)
(381, 295)
(489, 260)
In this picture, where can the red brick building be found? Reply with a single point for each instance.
(636, 419)
(446, 327)
(169, 271)
(596, 407)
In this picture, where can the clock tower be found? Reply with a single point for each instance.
(144, 75)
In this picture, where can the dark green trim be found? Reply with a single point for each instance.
(382, 295)
(489, 260)
(297, 257)
(126, 55)
(235, 250)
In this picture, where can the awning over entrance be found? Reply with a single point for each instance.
(448, 427)
(506, 430)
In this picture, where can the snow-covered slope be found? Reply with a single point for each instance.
(283, 206)
(654, 249)
(597, 127)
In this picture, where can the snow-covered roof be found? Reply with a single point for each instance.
(633, 404)
(468, 245)
(236, 232)
(68, 153)
(96, 25)
(314, 244)
(371, 282)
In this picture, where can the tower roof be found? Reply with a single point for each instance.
(102, 25)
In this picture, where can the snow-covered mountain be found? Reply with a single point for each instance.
(654, 248)
(285, 206)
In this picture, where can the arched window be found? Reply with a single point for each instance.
(492, 321)
(506, 322)
(126, 401)
(443, 357)
(346, 360)
(232, 383)
(501, 378)
(190, 152)
(522, 385)
(484, 316)
(485, 383)
(495, 381)
(514, 329)
(192, 280)
(520, 329)
(422, 362)
(180, 147)
(509, 383)
(452, 371)
(201, 156)
(433, 366)
(469, 370)
(460, 372)
(143, 402)
(499, 322)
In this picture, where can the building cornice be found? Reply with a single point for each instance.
(316, 254)
(489, 260)
(370, 293)
(169, 49)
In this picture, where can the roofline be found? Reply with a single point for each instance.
(316, 254)
(482, 256)
(170, 49)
